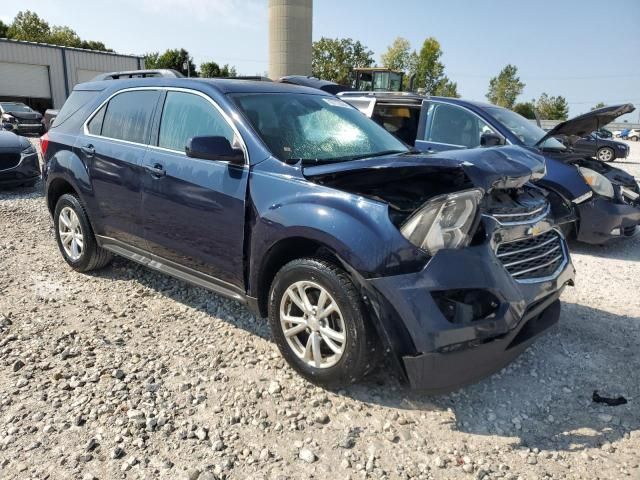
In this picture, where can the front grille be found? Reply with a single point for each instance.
(533, 257)
(508, 215)
(9, 160)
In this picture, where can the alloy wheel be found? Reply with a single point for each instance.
(313, 324)
(70, 233)
(605, 155)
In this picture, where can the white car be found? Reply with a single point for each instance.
(634, 134)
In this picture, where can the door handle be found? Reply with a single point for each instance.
(156, 170)
(88, 150)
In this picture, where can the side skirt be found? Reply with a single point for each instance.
(171, 268)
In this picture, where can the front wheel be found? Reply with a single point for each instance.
(634, 138)
(606, 154)
(318, 323)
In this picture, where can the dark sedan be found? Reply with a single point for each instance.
(20, 118)
(19, 163)
(601, 148)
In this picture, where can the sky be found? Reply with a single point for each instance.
(584, 50)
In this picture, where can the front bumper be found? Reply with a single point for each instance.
(437, 354)
(602, 220)
(27, 128)
(27, 170)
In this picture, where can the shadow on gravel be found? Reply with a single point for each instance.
(543, 399)
(10, 193)
(622, 249)
(229, 311)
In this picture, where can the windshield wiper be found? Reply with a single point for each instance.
(372, 155)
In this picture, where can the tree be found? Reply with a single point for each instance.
(397, 55)
(333, 59)
(427, 67)
(505, 88)
(552, 108)
(64, 36)
(30, 27)
(526, 109)
(213, 70)
(94, 45)
(447, 88)
(4, 30)
(173, 59)
(598, 105)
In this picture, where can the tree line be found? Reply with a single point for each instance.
(28, 26)
(179, 59)
(333, 59)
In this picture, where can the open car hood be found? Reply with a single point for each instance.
(588, 122)
(487, 168)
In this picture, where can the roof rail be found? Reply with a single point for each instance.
(256, 78)
(358, 93)
(161, 72)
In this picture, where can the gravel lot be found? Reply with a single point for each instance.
(126, 373)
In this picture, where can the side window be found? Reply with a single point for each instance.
(453, 125)
(95, 125)
(128, 116)
(187, 115)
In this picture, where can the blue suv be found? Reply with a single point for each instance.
(291, 201)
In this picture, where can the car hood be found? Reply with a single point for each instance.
(12, 143)
(26, 115)
(588, 122)
(487, 168)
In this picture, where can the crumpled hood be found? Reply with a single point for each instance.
(488, 168)
(588, 122)
(26, 115)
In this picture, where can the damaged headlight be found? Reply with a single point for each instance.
(598, 183)
(443, 222)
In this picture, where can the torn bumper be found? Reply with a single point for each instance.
(602, 220)
(440, 351)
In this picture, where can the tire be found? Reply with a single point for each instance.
(82, 252)
(358, 349)
(634, 138)
(606, 154)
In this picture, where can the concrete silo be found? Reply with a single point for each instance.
(290, 26)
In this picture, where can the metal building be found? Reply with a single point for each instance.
(42, 75)
(290, 28)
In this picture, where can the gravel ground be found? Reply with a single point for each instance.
(126, 373)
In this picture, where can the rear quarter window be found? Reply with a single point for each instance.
(75, 102)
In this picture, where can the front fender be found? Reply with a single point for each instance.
(564, 179)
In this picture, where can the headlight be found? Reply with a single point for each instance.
(28, 150)
(8, 118)
(598, 183)
(443, 222)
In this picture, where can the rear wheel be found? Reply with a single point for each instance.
(318, 323)
(635, 138)
(75, 237)
(606, 154)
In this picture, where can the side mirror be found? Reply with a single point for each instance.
(214, 148)
(491, 139)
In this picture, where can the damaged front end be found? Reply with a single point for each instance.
(611, 209)
(497, 261)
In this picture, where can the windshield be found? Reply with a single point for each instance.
(297, 126)
(525, 130)
(15, 107)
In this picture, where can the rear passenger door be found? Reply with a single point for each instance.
(194, 209)
(113, 145)
(449, 127)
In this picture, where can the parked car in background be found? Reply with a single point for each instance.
(23, 119)
(603, 149)
(605, 200)
(48, 118)
(289, 200)
(633, 134)
(19, 164)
